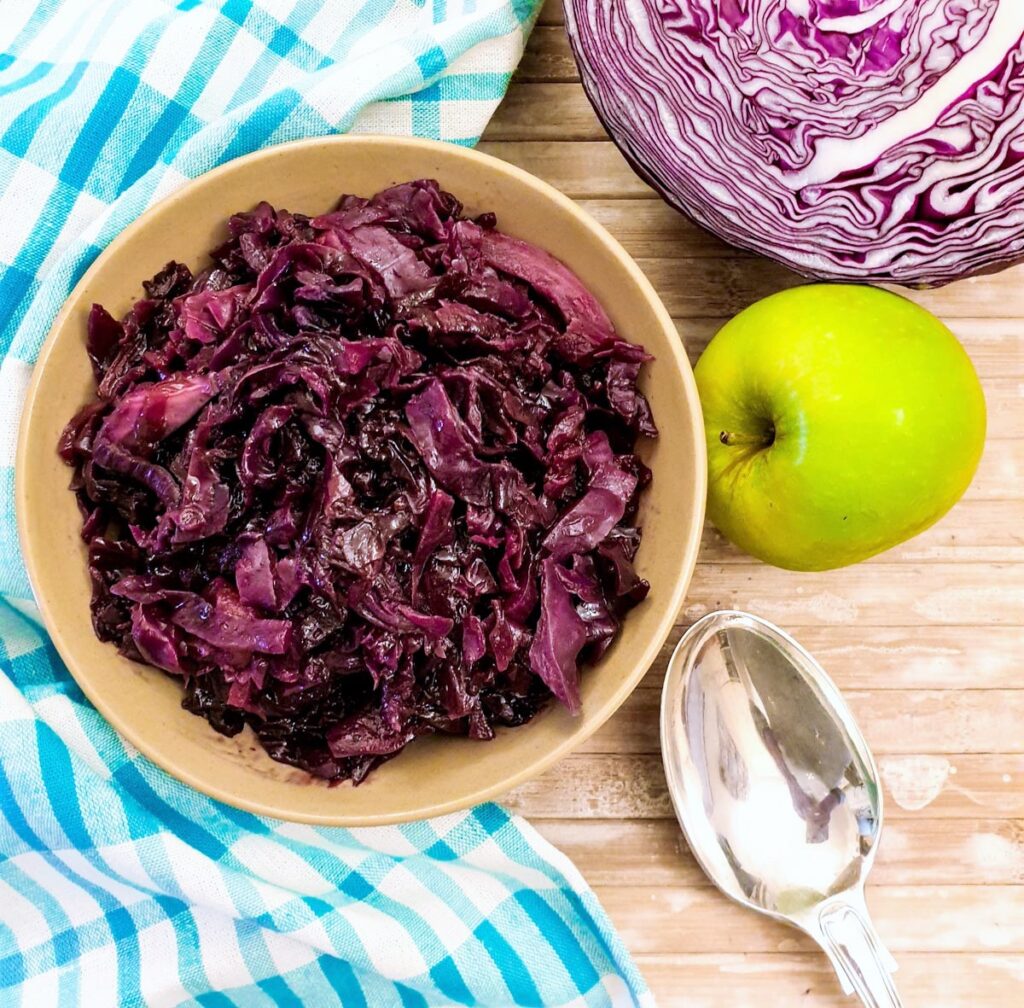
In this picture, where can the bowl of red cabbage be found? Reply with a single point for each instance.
(360, 479)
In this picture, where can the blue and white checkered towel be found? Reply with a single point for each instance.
(119, 886)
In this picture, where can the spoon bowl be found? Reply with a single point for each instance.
(775, 788)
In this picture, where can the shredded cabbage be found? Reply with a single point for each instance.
(365, 477)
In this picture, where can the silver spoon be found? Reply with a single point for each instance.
(775, 788)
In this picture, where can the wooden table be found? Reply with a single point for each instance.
(926, 641)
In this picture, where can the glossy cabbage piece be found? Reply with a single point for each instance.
(367, 476)
(866, 140)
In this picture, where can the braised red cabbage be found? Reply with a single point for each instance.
(367, 476)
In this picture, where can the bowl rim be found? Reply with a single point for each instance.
(530, 768)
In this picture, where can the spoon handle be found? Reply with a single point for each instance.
(858, 955)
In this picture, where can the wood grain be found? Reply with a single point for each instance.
(881, 658)
(784, 980)
(912, 919)
(631, 785)
(895, 722)
(925, 640)
(551, 13)
(548, 58)
(917, 851)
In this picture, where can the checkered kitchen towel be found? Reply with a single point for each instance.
(118, 886)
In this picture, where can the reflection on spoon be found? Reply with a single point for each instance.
(776, 789)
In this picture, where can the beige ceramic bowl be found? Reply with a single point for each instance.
(434, 775)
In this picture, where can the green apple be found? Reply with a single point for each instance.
(840, 420)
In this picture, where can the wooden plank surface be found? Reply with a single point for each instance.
(927, 642)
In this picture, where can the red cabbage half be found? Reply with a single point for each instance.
(866, 140)
(367, 476)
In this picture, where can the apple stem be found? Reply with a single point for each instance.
(764, 440)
